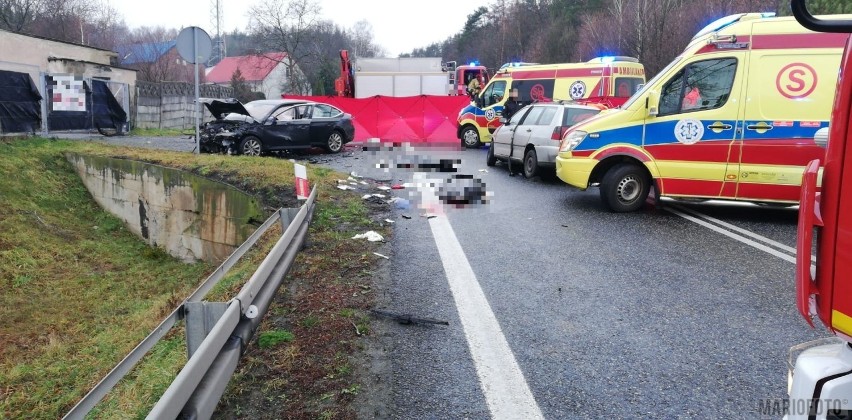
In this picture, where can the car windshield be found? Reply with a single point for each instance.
(259, 110)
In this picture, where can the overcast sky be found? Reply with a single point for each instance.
(398, 26)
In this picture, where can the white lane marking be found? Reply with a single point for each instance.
(503, 384)
(733, 235)
(740, 230)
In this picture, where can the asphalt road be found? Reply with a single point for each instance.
(641, 315)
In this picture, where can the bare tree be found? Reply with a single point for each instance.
(19, 15)
(286, 25)
(65, 19)
(362, 40)
(106, 29)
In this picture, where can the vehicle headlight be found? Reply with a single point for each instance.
(572, 140)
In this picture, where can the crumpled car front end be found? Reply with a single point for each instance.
(222, 134)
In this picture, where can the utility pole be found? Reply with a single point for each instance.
(217, 20)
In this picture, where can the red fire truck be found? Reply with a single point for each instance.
(820, 382)
(464, 73)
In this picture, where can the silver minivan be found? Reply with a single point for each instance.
(531, 137)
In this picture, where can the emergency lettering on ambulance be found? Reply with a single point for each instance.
(733, 117)
(607, 80)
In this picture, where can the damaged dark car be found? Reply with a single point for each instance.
(269, 126)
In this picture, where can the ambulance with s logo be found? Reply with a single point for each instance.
(733, 117)
(606, 80)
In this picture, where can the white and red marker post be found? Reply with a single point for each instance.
(302, 188)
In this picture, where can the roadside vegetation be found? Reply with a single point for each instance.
(79, 291)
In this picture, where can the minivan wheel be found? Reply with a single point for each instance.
(530, 164)
(335, 142)
(251, 146)
(470, 137)
(624, 188)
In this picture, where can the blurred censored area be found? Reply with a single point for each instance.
(430, 173)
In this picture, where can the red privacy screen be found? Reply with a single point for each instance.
(425, 118)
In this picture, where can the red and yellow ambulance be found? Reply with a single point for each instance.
(733, 117)
(608, 80)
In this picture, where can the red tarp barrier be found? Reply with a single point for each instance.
(424, 118)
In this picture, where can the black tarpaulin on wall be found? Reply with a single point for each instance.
(19, 103)
(108, 113)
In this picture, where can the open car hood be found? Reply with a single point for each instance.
(220, 107)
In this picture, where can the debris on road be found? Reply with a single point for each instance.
(405, 216)
(380, 255)
(344, 187)
(389, 221)
(400, 203)
(371, 236)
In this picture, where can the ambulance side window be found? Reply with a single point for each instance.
(493, 93)
(700, 86)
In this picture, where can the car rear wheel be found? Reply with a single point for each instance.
(530, 164)
(335, 142)
(470, 137)
(491, 160)
(251, 146)
(625, 187)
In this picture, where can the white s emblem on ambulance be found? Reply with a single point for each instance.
(689, 131)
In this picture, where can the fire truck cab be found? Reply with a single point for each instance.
(820, 381)
(463, 74)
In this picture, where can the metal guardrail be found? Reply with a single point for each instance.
(200, 384)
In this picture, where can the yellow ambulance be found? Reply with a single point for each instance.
(733, 117)
(606, 80)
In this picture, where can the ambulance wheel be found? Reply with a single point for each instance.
(530, 164)
(470, 137)
(624, 188)
(491, 160)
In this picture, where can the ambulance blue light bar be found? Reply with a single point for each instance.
(725, 21)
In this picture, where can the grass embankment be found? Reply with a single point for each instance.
(162, 132)
(79, 291)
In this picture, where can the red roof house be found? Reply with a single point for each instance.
(265, 73)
